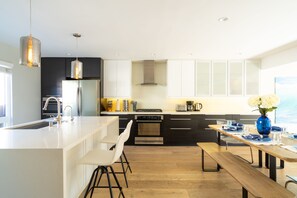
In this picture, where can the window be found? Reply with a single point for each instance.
(285, 88)
(5, 94)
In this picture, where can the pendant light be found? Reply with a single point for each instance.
(30, 48)
(76, 65)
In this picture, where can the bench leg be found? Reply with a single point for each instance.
(208, 170)
(244, 193)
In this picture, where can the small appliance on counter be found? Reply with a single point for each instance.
(109, 105)
(190, 105)
(134, 105)
(118, 105)
(181, 108)
(125, 105)
(198, 106)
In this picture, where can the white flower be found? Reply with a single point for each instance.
(254, 101)
(265, 103)
(269, 101)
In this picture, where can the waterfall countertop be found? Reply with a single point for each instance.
(59, 136)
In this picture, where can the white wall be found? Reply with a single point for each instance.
(25, 87)
(284, 57)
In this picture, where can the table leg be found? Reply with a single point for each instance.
(219, 138)
(282, 164)
(260, 158)
(266, 160)
(272, 167)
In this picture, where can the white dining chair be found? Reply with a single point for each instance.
(104, 159)
(112, 139)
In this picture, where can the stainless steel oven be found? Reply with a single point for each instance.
(149, 129)
(52, 110)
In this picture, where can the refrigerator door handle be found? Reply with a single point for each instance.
(79, 101)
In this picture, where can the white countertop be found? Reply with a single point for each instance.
(171, 112)
(63, 136)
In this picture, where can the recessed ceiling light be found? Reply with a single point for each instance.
(223, 19)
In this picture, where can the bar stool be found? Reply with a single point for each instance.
(112, 139)
(104, 159)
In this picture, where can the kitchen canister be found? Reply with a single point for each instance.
(125, 105)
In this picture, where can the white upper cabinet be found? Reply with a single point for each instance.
(117, 78)
(180, 78)
(236, 78)
(203, 78)
(252, 77)
(219, 78)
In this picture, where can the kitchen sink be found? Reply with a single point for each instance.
(37, 125)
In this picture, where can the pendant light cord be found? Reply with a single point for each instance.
(30, 18)
(76, 48)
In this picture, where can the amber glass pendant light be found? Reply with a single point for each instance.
(30, 49)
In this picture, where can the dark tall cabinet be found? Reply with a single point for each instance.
(52, 74)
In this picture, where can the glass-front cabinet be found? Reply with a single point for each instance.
(235, 80)
(219, 78)
(203, 78)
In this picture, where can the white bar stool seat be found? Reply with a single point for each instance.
(104, 159)
(112, 139)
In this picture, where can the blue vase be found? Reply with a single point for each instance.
(263, 126)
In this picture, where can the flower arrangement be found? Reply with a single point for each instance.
(264, 103)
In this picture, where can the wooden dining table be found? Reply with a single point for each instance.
(273, 151)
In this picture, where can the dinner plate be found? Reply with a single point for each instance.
(256, 137)
(292, 136)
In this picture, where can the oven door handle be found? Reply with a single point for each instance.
(148, 121)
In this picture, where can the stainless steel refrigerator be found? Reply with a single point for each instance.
(83, 96)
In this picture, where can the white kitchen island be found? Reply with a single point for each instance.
(43, 162)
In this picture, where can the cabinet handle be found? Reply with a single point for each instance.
(208, 129)
(123, 118)
(180, 119)
(180, 129)
(215, 119)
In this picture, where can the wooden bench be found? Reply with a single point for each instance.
(251, 180)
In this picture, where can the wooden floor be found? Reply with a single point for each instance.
(175, 172)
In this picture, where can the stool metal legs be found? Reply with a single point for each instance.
(103, 169)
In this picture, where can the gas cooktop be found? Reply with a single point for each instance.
(148, 110)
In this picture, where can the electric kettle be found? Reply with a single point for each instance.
(197, 106)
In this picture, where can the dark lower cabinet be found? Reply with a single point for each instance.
(185, 130)
(180, 130)
(245, 119)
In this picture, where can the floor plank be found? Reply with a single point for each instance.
(175, 172)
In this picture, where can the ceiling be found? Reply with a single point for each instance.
(152, 29)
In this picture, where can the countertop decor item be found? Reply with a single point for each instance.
(30, 49)
(264, 104)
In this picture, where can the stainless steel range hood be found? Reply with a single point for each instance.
(149, 72)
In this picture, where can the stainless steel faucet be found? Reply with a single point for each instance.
(59, 117)
(68, 106)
